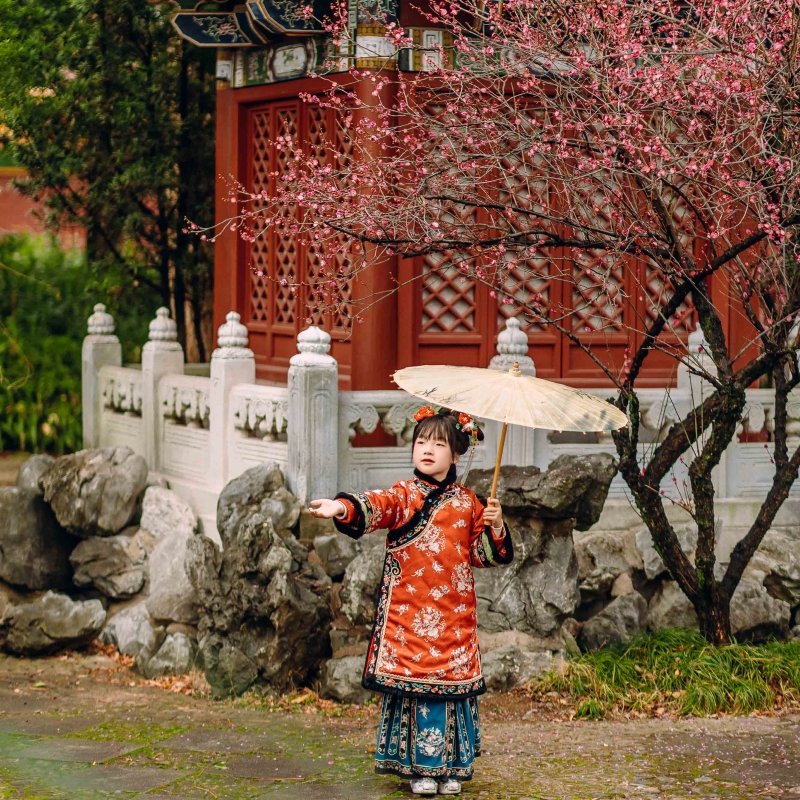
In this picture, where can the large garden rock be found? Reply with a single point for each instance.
(341, 680)
(263, 607)
(34, 548)
(95, 492)
(362, 578)
(30, 472)
(229, 671)
(115, 565)
(776, 565)
(261, 489)
(165, 513)
(133, 633)
(670, 608)
(172, 597)
(49, 623)
(652, 562)
(335, 552)
(755, 615)
(8, 597)
(572, 487)
(513, 658)
(617, 623)
(176, 656)
(602, 557)
(539, 589)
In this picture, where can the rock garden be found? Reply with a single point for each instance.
(92, 546)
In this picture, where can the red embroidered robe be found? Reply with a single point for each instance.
(424, 638)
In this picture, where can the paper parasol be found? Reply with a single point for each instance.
(511, 398)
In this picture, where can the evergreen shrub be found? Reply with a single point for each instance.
(46, 296)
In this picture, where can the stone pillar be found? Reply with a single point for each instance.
(313, 417)
(100, 348)
(162, 355)
(232, 362)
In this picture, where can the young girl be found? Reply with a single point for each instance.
(423, 654)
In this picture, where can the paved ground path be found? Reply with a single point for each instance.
(80, 726)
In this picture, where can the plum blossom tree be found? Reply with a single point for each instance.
(588, 140)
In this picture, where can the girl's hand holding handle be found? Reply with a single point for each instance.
(327, 509)
(493, 514)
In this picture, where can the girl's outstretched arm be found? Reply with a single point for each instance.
(363, 512)
(327, 509)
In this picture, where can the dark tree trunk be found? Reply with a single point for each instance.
(198, 309)
(714, 615)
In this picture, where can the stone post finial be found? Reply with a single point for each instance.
(313, 345)
(101, 323)
(232, 333)
(162, 328)
(512, 341)
(512, 347)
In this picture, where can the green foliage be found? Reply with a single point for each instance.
(46, 296)
(112, 116)
(679, 672)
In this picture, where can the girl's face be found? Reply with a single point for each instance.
(433, 457)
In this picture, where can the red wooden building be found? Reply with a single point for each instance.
(437, 319)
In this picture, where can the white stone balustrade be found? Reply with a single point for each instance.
(121, 390)
(202, 432)
(184, 399)
(261, 412)
(259, 426)
(391, 409)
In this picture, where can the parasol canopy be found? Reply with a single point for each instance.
(511, 398)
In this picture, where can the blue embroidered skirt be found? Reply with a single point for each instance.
(419, 736)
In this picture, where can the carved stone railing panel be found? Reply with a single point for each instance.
(121, 390)
(391, 409)
(261, 412)
(184, 399)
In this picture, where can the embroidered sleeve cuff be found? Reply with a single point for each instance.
(488, 551)
(352, 524)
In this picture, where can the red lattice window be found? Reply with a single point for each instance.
(325, 137)
(259, 249)
(276, 259)
(448, 297)
(658, 288)
(286, 265)
(598, 279)
(530, 281)
(529, 284)
(658, 293)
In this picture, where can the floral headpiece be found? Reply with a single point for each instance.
(425, 411)
(465, 422)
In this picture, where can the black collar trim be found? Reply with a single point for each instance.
(449, 479)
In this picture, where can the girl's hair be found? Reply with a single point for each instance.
(442, 426)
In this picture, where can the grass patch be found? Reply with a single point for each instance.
(676, 672)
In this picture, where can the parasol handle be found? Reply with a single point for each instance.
(499, 459)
